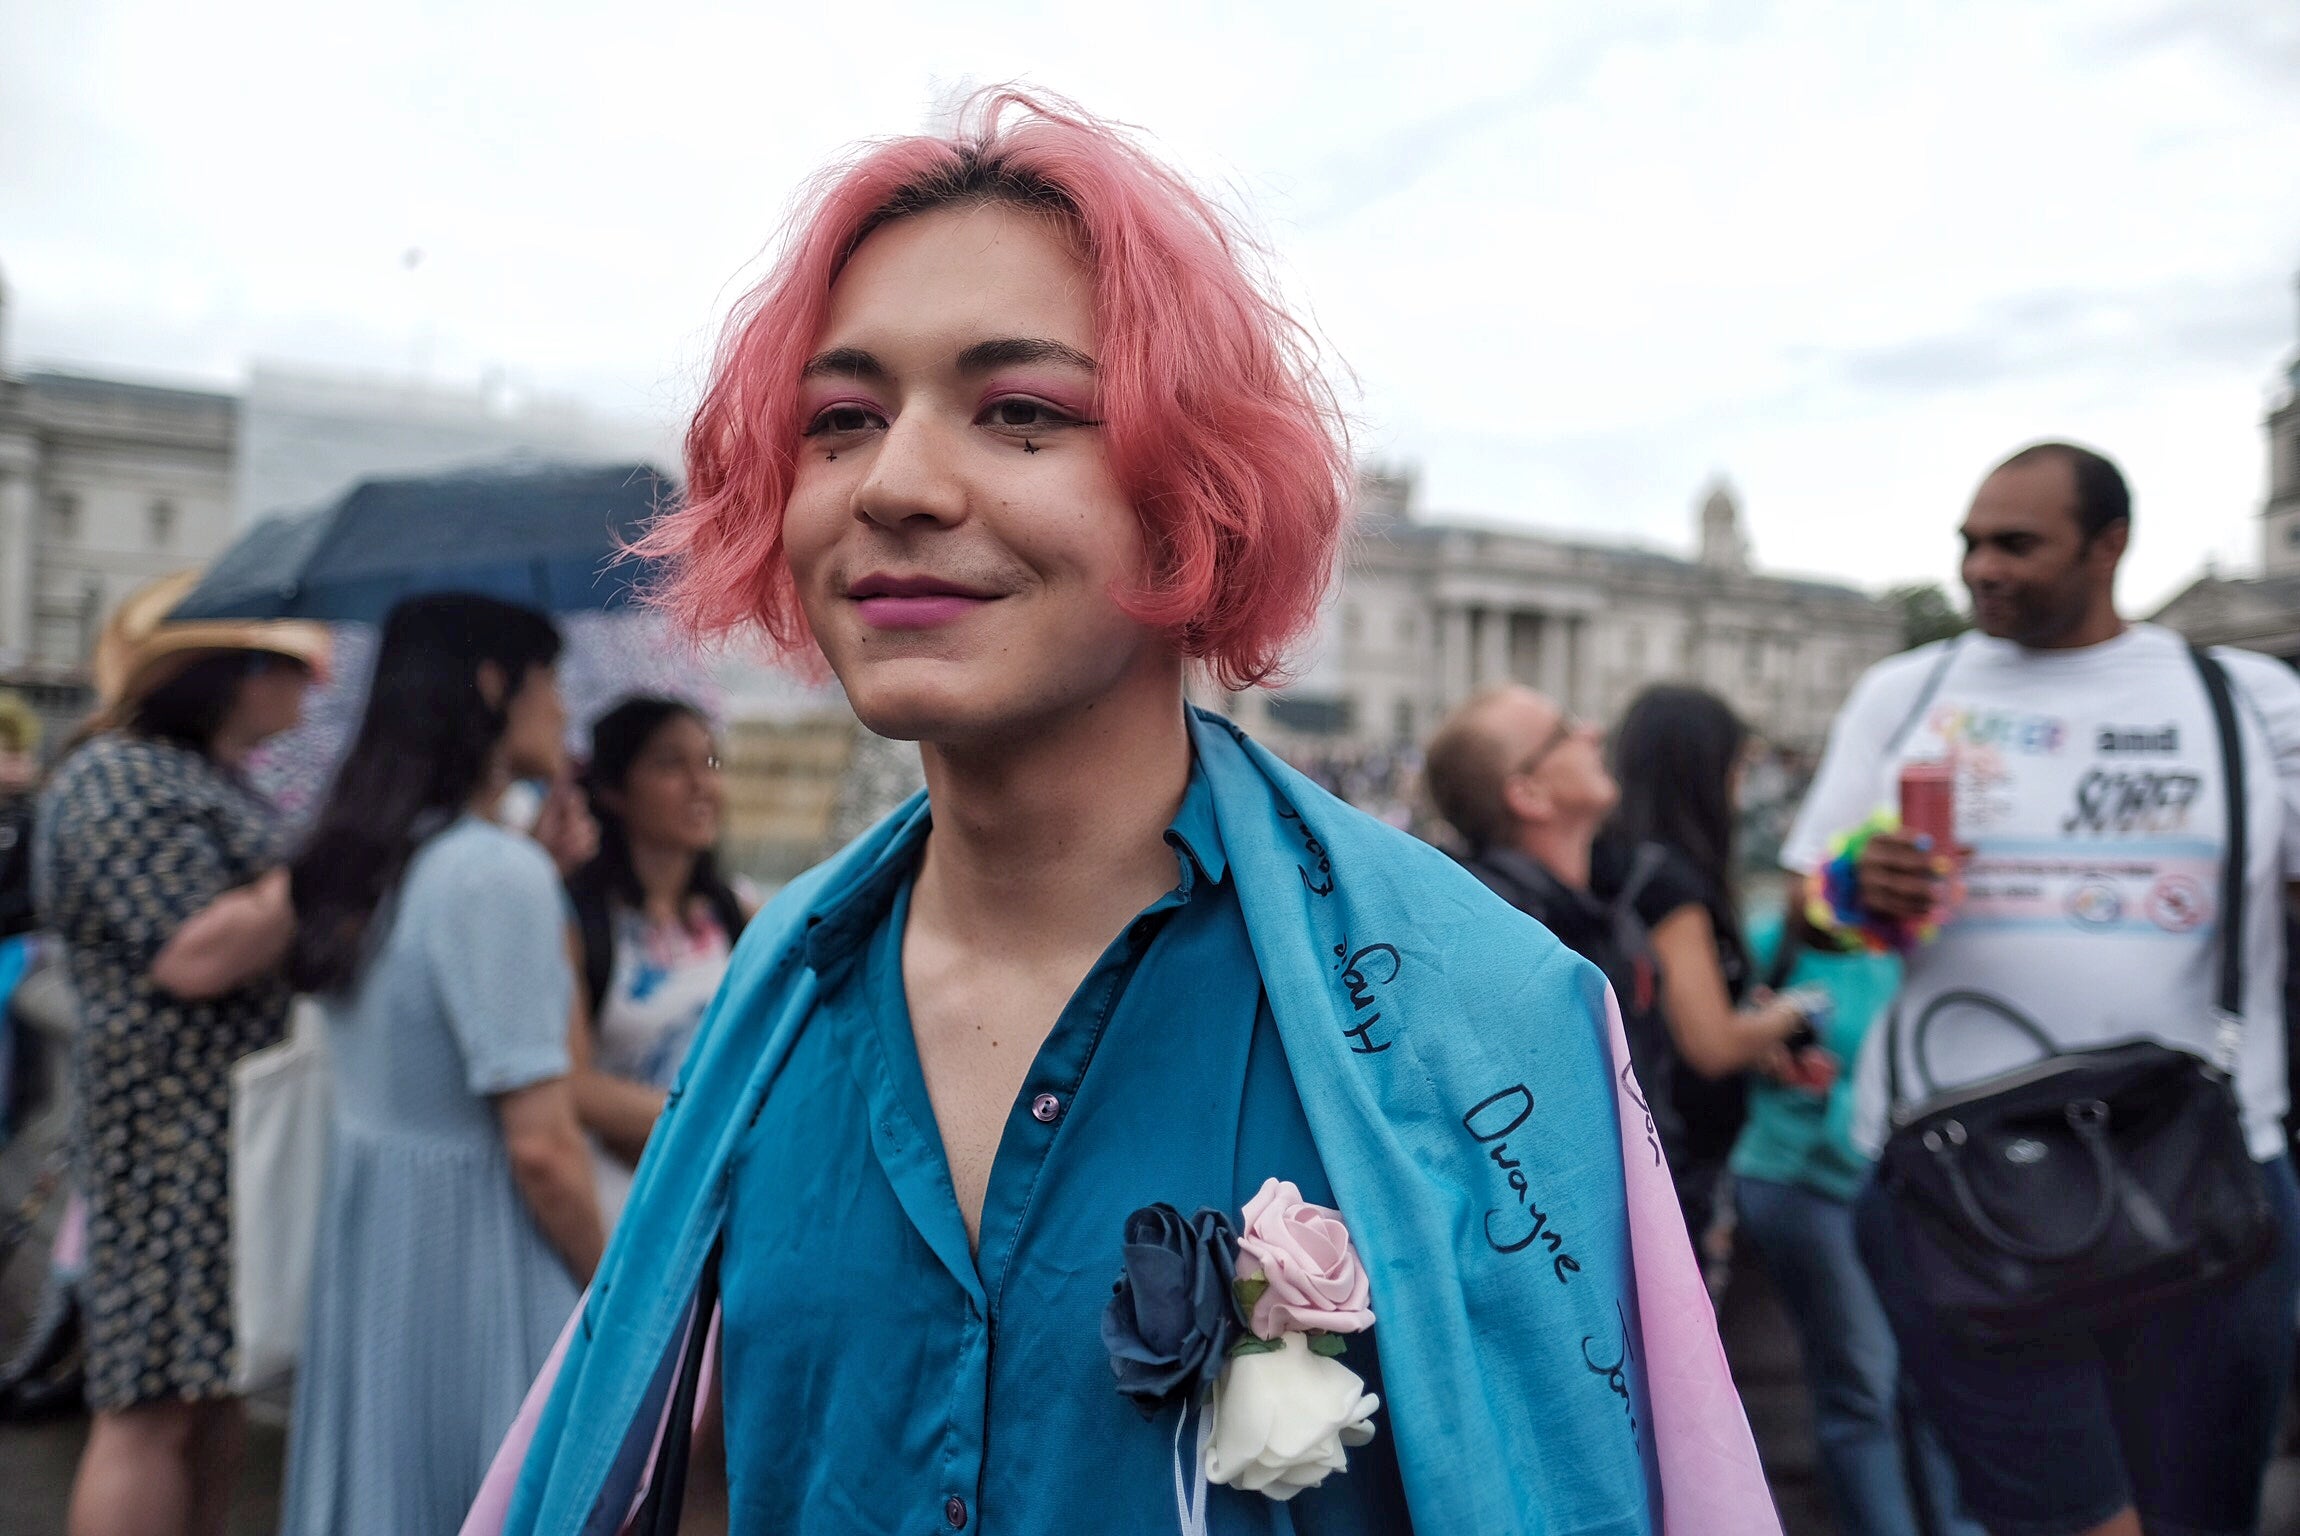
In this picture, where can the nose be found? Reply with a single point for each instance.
(1982, 568)
(913, 476)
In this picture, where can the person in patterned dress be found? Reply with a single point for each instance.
(150, 850)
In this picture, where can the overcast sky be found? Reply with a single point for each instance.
(1570, 260)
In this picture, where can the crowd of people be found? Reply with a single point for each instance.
(623, 1223)
(506, 1012)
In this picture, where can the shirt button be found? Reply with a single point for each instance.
(1046, 1109)
(954, 1511)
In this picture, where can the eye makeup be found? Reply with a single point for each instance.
(1057, 395)
(820, 414)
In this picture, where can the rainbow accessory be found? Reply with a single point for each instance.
(1833, 907)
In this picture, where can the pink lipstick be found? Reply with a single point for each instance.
(888, 601)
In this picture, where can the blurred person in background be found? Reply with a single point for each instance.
(654, 923)
(459, 1216)
(156, 865)
(1527, 788)
(1678, 755)
(1795, 1172)
(19, 772)
(2080, 897)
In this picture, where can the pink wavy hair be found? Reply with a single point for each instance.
(1216, 422)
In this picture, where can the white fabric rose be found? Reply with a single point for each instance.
(1281, 1418)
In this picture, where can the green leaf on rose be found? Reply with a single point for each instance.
(1249, 1289)
(1328, 1344)
(1250, 1345)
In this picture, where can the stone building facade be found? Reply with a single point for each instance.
(103, 485)
(2260, 613)
(1428, 612)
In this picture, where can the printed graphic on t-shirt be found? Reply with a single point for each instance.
(2089, 787)
(2137, 887)
(2125, 859)
(1989, 748)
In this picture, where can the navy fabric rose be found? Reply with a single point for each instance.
(1172, 1316)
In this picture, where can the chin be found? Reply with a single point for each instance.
(955, 706)
(895, 701)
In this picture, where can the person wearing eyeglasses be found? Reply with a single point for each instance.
(1526, 786)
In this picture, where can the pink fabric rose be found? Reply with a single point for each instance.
(1316, 1281)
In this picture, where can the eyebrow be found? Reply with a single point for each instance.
(845, 363)
(1007, 351)
(982, 357)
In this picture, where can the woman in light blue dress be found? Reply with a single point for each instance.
(459, 1217)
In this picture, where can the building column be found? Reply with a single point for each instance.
(1557, 659)
(19, 532)
(1454, 659)
(1493, 647)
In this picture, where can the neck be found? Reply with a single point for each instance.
(2100, 625)
(1561, 849)
(1052, 838)
(663, 872)
(492, 784)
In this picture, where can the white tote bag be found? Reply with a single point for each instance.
(279, 1155)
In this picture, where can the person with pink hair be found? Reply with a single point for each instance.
(1014, 442)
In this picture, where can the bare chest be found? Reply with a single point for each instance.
(978, 1027)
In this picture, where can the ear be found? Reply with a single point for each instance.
(2109, 545)
(1524, 798)
(492, 683)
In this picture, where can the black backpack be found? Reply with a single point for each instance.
(1611, 935)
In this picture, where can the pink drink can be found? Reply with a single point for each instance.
(1929, 802)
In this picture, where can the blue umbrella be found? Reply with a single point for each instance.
(547, 537)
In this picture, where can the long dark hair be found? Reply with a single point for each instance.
(421, 753)
(1673, 755)
(617, 741)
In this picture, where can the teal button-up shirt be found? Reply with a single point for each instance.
(882, 1378)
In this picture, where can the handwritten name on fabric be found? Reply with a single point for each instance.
(1635, 1093)
(1486, 1126)
(1359, 987)
(1323, 883)
(1617, 1374)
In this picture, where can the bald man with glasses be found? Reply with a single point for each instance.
(1526, 786)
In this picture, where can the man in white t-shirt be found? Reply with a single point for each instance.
(2092, 817)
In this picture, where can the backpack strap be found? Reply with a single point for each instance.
(1950, 650)
(1632, 934)
(1644, 864)
(2235, 855)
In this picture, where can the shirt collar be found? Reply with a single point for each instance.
(1196, 836)
(844, 919)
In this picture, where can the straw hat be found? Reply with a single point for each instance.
(19, 727)
(140, 649)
